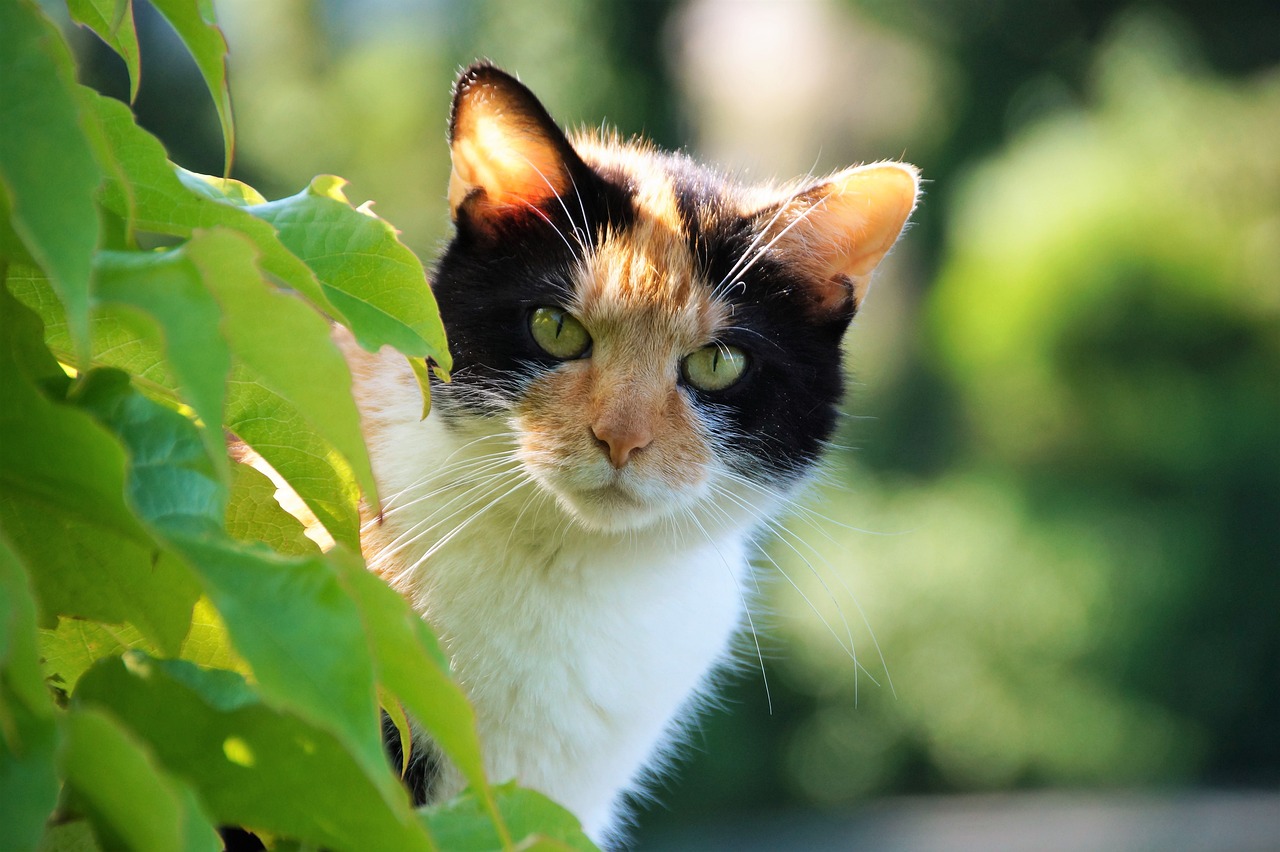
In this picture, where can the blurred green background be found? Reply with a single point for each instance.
(1057, 502)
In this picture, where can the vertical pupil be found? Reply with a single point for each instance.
(715, 361)
(559, 322)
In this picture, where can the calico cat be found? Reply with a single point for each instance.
(647, 366)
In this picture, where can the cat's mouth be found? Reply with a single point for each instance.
(613, 506)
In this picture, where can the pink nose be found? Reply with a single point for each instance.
(618, 443)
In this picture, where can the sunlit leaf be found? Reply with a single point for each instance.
(62, 508)
(249, 764)
(375, 282)
(124, 339)
(158, 201)
(46, 167)
(131, 802)
(287, 616)
(312, 466)
(254, 515)
(170, 288)
(77, 644)
(285, 349)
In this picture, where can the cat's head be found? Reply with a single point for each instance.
(653, 334)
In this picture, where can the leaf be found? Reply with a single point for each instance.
(170, 288)
(249, 764)
(19, 655)
(208, 644)
(75, 836)
(225, 190)
(287, 616)
(112, 20)
(62, 507)
(46, 167)
(373, 280)
(285, 348)
(153, 198)
(70, 650)
(312, 466)
(28, 775)
(123, 339)
(194, 23)
(132, 803)
(421, 373)
(254, 515)
(535, 822)
(288, 396)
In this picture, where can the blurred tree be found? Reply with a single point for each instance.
(1088, 594)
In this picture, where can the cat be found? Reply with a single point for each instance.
(647, 367)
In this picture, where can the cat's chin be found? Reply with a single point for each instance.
(611, 509)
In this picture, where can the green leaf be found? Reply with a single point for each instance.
(75, 836)
(131, 801)
(62, 507)
(249, 764)
(112, 20)
(254, 515)
(285, 346)
(194, 22)
(153, 198)
(28, 773)
(287, 616)
(46, 167)
(209, 644)
(225, 190)
(423, 375)
(288, 394)
(120, 338)
(19, 656)
(70, 650)
(373, 280)
(534, 820)
(170, 288)
(312, 466)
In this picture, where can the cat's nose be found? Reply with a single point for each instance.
(619, 442)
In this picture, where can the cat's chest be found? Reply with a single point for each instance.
(576, 654)
(581, 616)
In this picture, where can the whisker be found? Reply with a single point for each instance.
(746, 608)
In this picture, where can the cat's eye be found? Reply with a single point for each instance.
(559, 333)
(714, 367)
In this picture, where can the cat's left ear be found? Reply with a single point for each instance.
(837, 232)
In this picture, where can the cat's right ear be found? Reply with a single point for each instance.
(509, 157)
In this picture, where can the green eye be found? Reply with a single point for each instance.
(715, 367)
(559, 333)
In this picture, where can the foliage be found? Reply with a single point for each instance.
(174, 654)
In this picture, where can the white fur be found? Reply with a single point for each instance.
(581, 650)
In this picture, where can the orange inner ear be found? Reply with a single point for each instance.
(839, 231)
(503, 153)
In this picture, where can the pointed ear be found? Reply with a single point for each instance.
(838, 231)
(507, 153)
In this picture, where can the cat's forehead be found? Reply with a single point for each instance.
(648, 269)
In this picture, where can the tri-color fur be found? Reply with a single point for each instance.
(586, 594)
